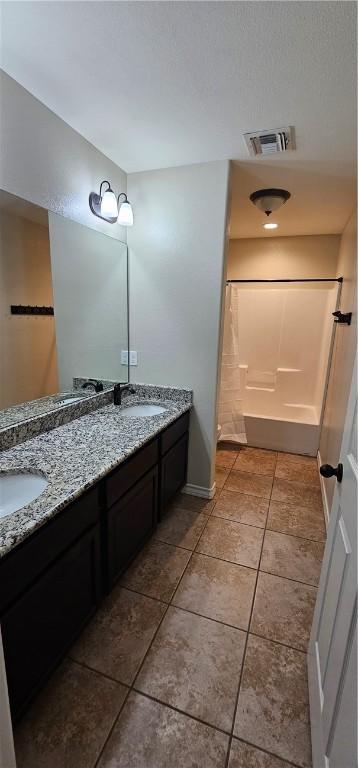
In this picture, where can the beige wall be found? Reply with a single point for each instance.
(283, 257)
(176, 252)
(28, 346)
(344, 352)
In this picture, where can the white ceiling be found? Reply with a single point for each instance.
(158, 84)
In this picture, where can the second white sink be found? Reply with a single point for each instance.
(143, 410)
(18, 489)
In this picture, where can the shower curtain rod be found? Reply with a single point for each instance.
(293, 280)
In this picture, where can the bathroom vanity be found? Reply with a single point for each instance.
(111, 478)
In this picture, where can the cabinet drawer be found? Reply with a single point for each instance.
(172, 434)
(119, 482)
(173, 471)
(130, 523)
(41, 625)
(22, 566)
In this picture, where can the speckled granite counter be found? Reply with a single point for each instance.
(75, 456)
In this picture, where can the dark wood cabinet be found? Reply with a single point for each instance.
(173, 472)
(41, 625)
(52, 583)
(129, 524)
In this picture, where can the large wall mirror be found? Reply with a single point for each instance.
(81, 277)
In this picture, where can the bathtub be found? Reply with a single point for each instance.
(293, 429)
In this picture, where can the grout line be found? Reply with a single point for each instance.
(109, 734)
(267, 752)
(296, 536)
(181, 712)
(288, 578)
(132, 686)
(247, 639)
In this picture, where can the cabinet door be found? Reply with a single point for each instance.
(41, 625)
(173, 471)
(130, 522)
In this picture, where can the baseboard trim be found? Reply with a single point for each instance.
(323, 492)
(199, 490)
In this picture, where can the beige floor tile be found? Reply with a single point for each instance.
(225, 458)
(244, 482)
(244, 756)
(241, 508)
(235, 542)
(303, 495)
(194, 664)
(291, 557)
(157, 570)
(118, 637)
(273, 709)
(297, 471)
(181, 527)
(221, 476)
(297, 521)
(70, 720)
(309, 461)
(283, 610)
(217, 590)
(193, 503)
(256, 461)
(150, 735)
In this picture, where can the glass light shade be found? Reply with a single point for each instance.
(269, 203)
(270, 225)
(109, 207)
(125, 215)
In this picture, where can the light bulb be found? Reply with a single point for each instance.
(125, 215)
(270, 225)
(109, 208)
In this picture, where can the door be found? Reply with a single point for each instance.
(332, 654)
(130, 523)
(173, 472)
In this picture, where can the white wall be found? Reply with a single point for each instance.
(345, 348)
(27, 343)
(176, 251)
(89, 277)
(45, 161)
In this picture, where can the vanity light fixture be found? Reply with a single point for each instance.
(270, 225)
(107, 206)
(269, 200)
(125, 211)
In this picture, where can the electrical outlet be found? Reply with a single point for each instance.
(133, 357)
(124, 357)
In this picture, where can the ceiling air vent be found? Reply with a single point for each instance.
(270, 142)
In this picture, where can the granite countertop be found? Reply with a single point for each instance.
(75, 456)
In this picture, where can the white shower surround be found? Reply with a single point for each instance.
(285, 334)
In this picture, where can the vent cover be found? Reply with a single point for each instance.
(269, 142)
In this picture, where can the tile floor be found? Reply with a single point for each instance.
(198, 657)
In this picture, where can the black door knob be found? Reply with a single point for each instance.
(326, 470)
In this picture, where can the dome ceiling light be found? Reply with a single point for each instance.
(268, 200)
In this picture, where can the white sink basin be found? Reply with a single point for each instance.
(18, 489)
(143, 410)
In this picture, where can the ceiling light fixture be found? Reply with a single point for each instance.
(269, 200)
(107, 206)
(270, 225)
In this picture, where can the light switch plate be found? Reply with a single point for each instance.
(124, 357)
(133, 357)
